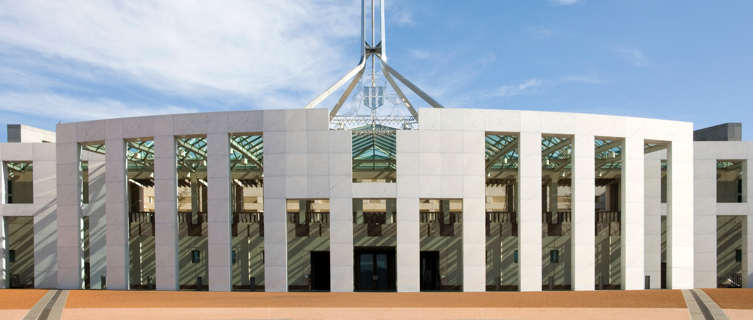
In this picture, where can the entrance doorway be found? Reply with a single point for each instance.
(374, 269)
(430, 270)
(319, 270)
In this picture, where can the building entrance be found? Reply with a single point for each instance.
(375, 269)
(429, 270)
(319, 270)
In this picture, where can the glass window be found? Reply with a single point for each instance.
(195, 256)
(554, 256)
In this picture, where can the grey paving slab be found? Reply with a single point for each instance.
(37, 309)
(713, 307)
(697, 310)
(50, 306)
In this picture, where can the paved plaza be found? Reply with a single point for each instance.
(111, 305)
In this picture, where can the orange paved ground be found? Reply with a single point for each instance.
(146, 305)
(732, 298)
(20, 298)
(580, 299)
(381, 313)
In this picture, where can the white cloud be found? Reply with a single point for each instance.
(532, 84)
(236, 50)
(565, 2)
(635, 56)
(517, 89)
(402, 17)
(66, 108)
(582, 78)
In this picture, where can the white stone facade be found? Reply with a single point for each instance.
(43, 209)
(443, 159)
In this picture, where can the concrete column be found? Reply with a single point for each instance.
(166, 213)
(408, 232)
(45, 233)
(747, 167)
(391, 206)
(680, 213)
(747, 263)
(275, 243)
(529, 228)
(68, 216)
(408, 245)
(4, 182)
(97, 222)
(341, 207)
(303, 207)
(652, 223)
(583, 215)
(358, 209)
(553, 196)
(275, 220)
(3, 247)
(704, 198)
(219, 216)
(509, 198)
(748, 226)
(117, 215)
(474, 212)
(632, 220)
(474, 244)
(341, 244)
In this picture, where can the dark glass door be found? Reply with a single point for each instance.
(375, 269)
(429, 270)
(319, 270)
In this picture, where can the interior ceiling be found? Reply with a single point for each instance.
(374, 148)
(502, 158)
(246, 153)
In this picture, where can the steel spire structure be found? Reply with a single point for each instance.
(373, 52)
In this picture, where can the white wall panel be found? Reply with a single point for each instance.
(632, 221)
(583, 220)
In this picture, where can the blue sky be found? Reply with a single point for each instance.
(79, 60)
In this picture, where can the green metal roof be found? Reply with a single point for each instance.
(374, 148)
(247, 153)
(501, 152)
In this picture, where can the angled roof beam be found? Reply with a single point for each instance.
(563, 143)
(352, 73)
(508, 147)
(237, 147)
(399, 92)
(654, 148)
(607, 146)
(346, 94)
(192, 148)
(601, 162)
(410, 85)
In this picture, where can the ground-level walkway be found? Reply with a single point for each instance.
(144, 305)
